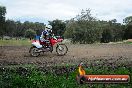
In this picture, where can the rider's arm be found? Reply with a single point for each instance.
(42, 37)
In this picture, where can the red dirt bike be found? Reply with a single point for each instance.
(38, 46)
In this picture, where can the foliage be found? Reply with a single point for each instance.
(18, 29)
(128, 32)
(128, 29)
(10, 28)
(58, 27)
(2, 19)
(128, 20)
(85, 28)
(30, 33)
(33, 77)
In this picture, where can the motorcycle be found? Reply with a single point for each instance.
(38, 46)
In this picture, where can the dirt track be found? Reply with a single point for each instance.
(86, 53)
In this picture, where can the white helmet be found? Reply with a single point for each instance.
(48, 27)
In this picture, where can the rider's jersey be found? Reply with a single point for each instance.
(45, 32)
(44, 35)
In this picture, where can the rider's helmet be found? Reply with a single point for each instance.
(48, 27)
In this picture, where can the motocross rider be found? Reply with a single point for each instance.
(45, 34)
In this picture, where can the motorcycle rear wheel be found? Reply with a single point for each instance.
(34, 51)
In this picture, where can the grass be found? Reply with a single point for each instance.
(128, 42)
(25, 42)
(32, 77)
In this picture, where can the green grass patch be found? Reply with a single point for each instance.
(12, 42)
(33, 77)
(128, 42)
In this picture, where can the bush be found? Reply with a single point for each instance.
(30, 33)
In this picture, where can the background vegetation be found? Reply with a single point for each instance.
(84, 28)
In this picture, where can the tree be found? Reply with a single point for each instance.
(106, 36)
(113, 20)
(11, 28)
(83, 28)
(38, 27)
(20, 30)
(58, 27)
(30, 33)
(2, 20)
(70, 27)
(128, 20)
(128, 32)
(128, 29)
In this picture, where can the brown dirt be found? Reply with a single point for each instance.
(15, 55)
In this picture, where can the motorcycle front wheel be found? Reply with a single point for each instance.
(61, 49)
(34, 51)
